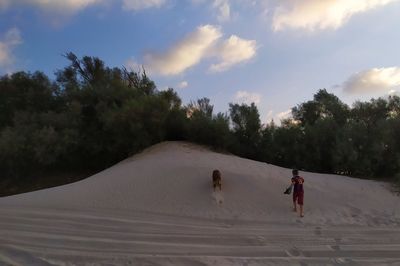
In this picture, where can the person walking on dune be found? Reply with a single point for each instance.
(298, 191)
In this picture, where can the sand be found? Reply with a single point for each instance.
(159, 208)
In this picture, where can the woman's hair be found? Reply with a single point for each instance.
(295, 172)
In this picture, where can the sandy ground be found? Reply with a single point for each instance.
(159, 208)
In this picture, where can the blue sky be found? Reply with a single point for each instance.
(276, 53)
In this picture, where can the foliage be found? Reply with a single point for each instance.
(246, 129)
(206, 128)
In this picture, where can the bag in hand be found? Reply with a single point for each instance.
(288, 190)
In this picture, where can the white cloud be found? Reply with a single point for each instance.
(142, 4)
(270, 115)
(204, 42)
(11, 39)
(320, 14)
(182, 84)
(4, 54)
(373, 80)
(60, 6)
(284, 114)
(247, 97)
(72, 6)
(224, 9)
(185, 53)
(131, 64)
(233, 51)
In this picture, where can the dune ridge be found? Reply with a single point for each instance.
(161, 203)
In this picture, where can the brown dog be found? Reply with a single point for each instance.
(217, 180)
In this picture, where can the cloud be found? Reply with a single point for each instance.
(142, 4)
(224, 10)
(132, 65)
(204, 42)
(69, 7)
(185, 53)
(276, 117)
(233, 51)
(319, 15)
(59, 6)
(11, 39)
(269, 115)
(182, 84)
(284, 114)
(4, 54)
(373, 80)
(247, 97)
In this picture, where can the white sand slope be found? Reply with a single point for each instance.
(159, 208)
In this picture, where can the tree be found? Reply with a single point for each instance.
(200, 114)
(320, 120)
(26, 92)
(246, 128)
(200, 108)
(324, 105)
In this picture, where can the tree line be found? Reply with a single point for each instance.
(92, 116)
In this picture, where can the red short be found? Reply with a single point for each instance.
(299, 197)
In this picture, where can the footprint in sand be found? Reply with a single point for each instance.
(218, 197)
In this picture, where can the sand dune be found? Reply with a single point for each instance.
(158, 208)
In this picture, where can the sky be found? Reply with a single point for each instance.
(275, 53)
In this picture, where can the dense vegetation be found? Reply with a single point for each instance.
(93, 116)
